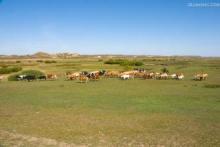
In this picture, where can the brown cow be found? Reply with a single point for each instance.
(201, 76)
(72, 76)
(163, 76)
(51, 77)
(149, 75)
(112, 74)
(94, 76)
(83, 78)
(1, 78)
(139, 75)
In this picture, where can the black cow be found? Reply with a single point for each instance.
(85, 73)
(102, 72)
(30, 78)
(20, 77)
(42, 78)
(139, 69)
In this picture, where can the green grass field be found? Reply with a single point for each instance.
(112, 112)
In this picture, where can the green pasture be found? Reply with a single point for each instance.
(113, 112)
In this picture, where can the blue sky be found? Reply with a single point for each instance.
(141, 27)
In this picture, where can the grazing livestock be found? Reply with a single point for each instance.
(126, 77)
(204, 76)
(83, 78)
(173, 76)
(133, 72)
(197, 77)
(180, 76)
(73, 76)
(85, 73)
(1, 78)
(149, 75)
(139, 69)
(21, 77)
(30, 78)
(112, 74)
(157, 75)
(201, 77)
(102, 72)
(51, 77)
(42, 77)
(163, 76)
(139, 75)
(94, 76)
(94, 72)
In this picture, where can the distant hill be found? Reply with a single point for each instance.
(41, 55)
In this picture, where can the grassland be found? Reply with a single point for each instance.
(112, 112)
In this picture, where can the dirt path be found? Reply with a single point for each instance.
(20, 140)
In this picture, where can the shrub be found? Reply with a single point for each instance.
(8, 70)
(165, 70)
(124, 62)
(136, 63)
(40, 61)
(212, 86)
(18, 61)
(50, 61)
(13, 77)
(111, 61)
(4, 66)
(35, 73)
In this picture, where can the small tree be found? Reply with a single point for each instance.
(165, 70)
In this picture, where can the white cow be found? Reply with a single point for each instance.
(126, 77)
(164, 76)
(173, 76)
(157, 75)
(21, 77)
(1, 78)
(202, 76)
(132, 72)
(180, 76)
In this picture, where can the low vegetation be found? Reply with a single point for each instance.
(212, 86)
(124, 62)
(8, 70)
(112, 112)
(50, 61)
(35, 73)
(164, 70)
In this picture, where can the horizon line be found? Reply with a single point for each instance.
(112, 54)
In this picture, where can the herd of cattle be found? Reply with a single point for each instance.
(96, 75)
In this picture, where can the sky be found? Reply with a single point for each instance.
(138, 27)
